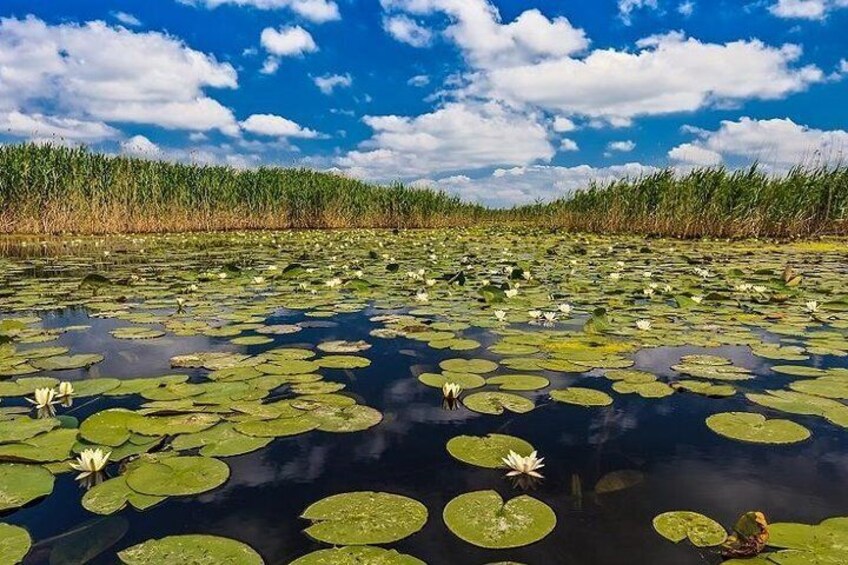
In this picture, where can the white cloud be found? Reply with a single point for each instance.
(291, 41)
(458, 136)
(524, 185)
(563, 125)
(95, 72)
(318, 11)
(328, 83)
(568, 145)
(806, 9)
(406, 30)
(423, 80)
(54, 128)
(627, 7)
(486, 42)
(276, 126)
(669, 73)
(140, 146)
(778, 144)
(622, 146)
(686, 9)
(127, 19)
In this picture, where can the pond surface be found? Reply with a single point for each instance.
(640, 320)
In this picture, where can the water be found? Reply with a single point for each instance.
(686, 466)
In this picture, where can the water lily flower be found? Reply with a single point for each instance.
(359, 273)
(511, 293)
(744, 287)
(500, 315)
(422, 296)
(66, 389)
(258, 280)
(615, 276)
(550, 316)
(90, 461)
(192, 288)
(430, 282)
(812, 306)
(527, 276)
(523, 465)
(44, 398)
(333, 283)
(272, 267)
(643, 325)
(760, 289)
(565, 308)
(647, 274)
(648, 292)
(697, 299)
(451, 391)
(222, 276)
(535, 314)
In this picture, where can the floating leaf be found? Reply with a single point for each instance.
(679, 525)
(357, 555)
(191, 549)
(178, 476)
(496, 402)
(476, 366)
(482, 518)
(582, 396)
(518, 382)
(21, 484)
(14, 544)
(487, 451)
(362, 518)
(755, 428)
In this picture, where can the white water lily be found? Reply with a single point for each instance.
(524, 465)
(66, 389)
(697, 299)
(647, 274)
(648, 292)
(451, 391)
(422, 296)
(359, 273)
(760, 289)
(500, 315)
(430, 282)
(192, 288)
(550, 316)
(44, 398)
(643, 325)
(812, 306)
(333, 283)
(744, 287)
(615, 276)
(511, 293)
(222, 276)
(90, 461)
(272, 267)
(565, 308)
(258, 280)
(526, 274)
(534, 314)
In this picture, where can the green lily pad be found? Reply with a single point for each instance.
(220, 441)
(678, 525)
(582, 396)
(465, 380)
(357, 555)
(113, 496)
(65, 362)
(109, 427)
(618, 480)
(518, 382)
(343, 362)
(487, 451)
(55, 445)
(178, 476)
(482, 518)
(132, 332)
(14, 544)
(346, 419)
(496, 402)
(172, 425)
(19, 429)
(279, 427)
(476, 366)
(21, 484)
(191, 549)
(364, 518)
(645, 390)
(755, 428)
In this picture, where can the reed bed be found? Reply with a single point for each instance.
(58, 190)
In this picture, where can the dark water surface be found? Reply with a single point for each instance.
(685, 464)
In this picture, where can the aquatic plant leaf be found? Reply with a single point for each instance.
(582, 396)
(279, 427)
(14, 544)
(178, 476)
(132, 333)
(113, 496)
(476, 366)
(343, 362)
(482, 518)
(518, 382)
(21, 484)
(681, 524)
(487, 451)
(645, 390)
(109, 427)
(357, 555)
(364, 518)
(87, 541)
(467, 381)
(19, 429)
(220, 441)
(172, 425)
(191, 549)
(65, 362)
(755, 428)
(346, 419)
(496, 402)
(618, 480)
(55, 445)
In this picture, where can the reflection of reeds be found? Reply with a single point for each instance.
(49, 189)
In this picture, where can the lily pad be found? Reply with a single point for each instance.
(518, 382)
(66, 362)
(476, 366)
(755, 428)
(487, 451)
(357, 555)
(364, 518)
(679, 525)
(191, 549)
(496, 402)
(113, 496)
(178, 476)
(14, 544)
(482, 518)
(21, 484)
(582, 396)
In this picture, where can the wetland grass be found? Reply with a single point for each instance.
(57, 190)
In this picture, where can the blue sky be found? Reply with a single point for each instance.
(499, 101)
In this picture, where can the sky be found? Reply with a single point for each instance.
(501, 102)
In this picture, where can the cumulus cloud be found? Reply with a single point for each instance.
(276, 126)
(524, 185)
(568, 145)
(670, 73)
(778, 144)
(292, 41)
(55, 128)
(423, 80)
(329, 83)
(457, 136)
(406, 30)
(140, 146)
(621, 146)
(318, 11)
(563, 125)
(127, 19)
(627, 7)
(97, 72)
(806, 9)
